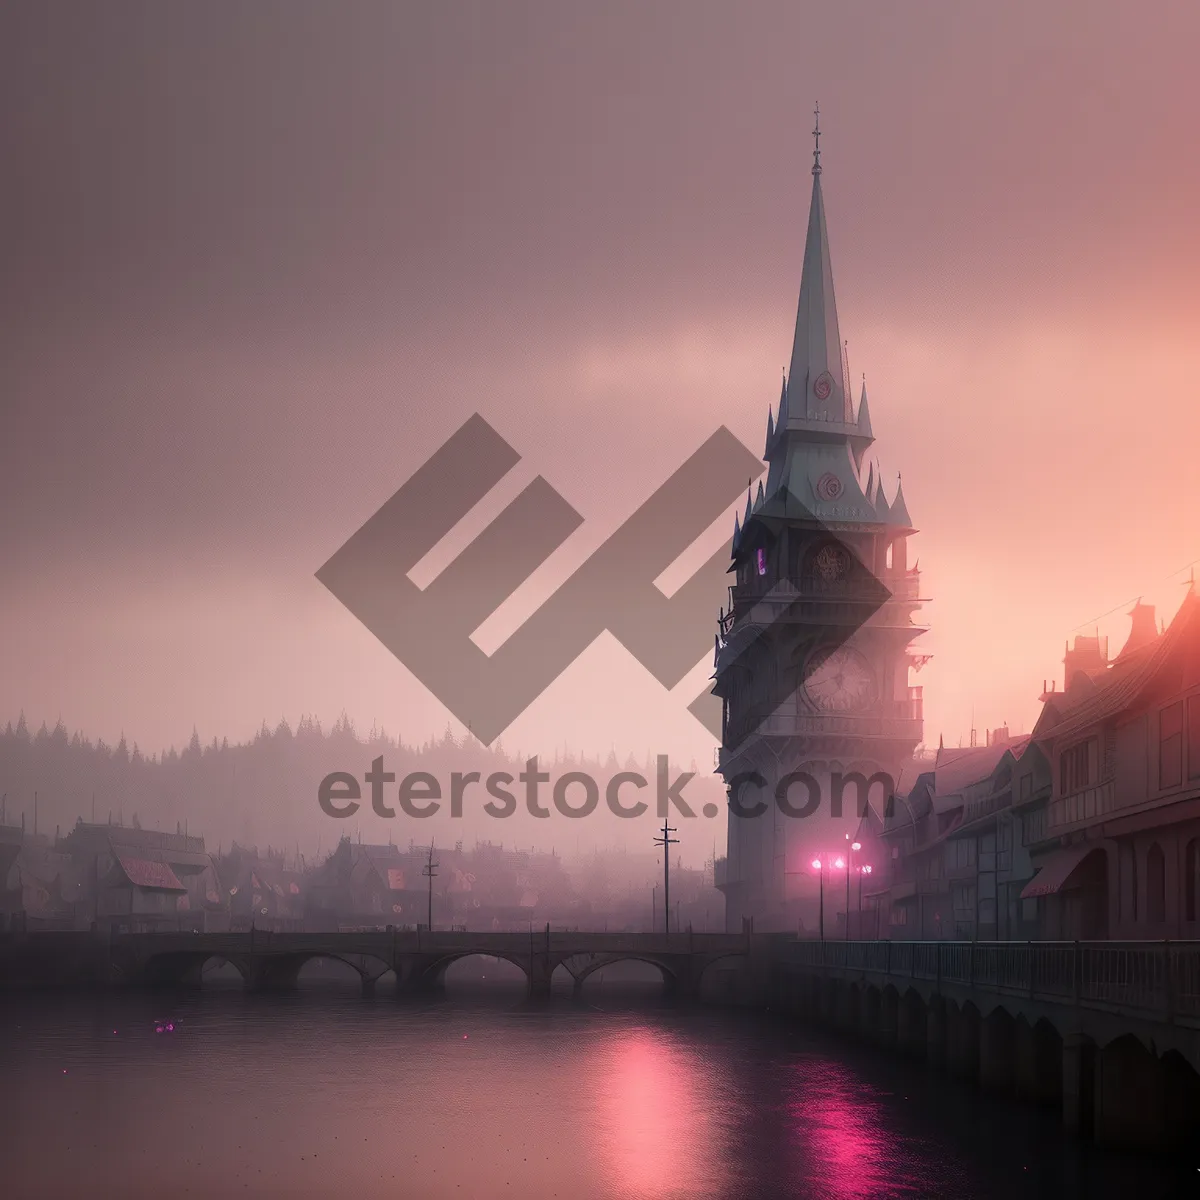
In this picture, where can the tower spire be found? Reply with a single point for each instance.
(817, 138)
(817, 388)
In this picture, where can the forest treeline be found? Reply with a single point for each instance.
(263, 791)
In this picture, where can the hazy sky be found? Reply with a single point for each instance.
(260, 260)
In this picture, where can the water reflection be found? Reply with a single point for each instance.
(326, 1094)
(652, 1128)
(846, 1141)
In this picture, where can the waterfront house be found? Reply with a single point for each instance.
(1119, 854)
(260, 889)
(142, 877)
(364, 885)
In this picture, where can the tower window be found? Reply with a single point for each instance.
(760, 558)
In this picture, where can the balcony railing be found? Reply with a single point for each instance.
(1082, 806)
(1159, 979)
(1002, 798)
(903, 721)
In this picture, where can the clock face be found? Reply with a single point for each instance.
(823, 386)
(831, 562)
(840, 681)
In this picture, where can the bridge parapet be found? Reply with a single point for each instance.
(419, 959)
(1155, 980)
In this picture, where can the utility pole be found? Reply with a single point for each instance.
(430, 872)
(666, 841)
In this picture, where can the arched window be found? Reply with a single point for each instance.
(1156, 885)
(1191, 882)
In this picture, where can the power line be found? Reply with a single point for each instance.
(1132, 599)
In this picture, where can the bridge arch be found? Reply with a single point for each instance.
(284, 970)
(715, 980)
(183, 968)
(432, 974)
(669, 976)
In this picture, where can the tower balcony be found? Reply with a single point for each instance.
(901, 720)
(904, 585)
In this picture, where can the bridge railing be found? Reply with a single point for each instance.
(1155, 977)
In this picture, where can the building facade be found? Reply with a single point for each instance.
(1088, 829)
(1118, 844)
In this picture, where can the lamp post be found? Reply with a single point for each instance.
(863, 870)
(819, 867)
(839, 864)
(854, 848)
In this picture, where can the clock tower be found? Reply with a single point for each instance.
(814, 652)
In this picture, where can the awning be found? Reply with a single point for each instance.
(1054, 873)
(145, 873)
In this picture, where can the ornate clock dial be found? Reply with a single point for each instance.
(823, 386)
(839, 680)
(831, 562)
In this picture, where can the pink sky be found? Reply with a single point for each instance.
(239, 315)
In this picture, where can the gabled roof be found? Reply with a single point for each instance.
(959, 769)
(1119, 687)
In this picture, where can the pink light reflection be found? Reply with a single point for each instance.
(837, 1119)
(654, 1133)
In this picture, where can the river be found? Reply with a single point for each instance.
(323, 1093)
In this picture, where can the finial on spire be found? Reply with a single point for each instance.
(817, 139)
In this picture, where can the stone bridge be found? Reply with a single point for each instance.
(1107, 1032)
(272, 961)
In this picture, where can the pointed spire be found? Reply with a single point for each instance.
(737, 532)
(881, 501)
(749, 505)
(899, 510)
(770, 432)
(864, 414)
(758, 497)
(817, 385)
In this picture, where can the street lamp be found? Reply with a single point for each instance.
(817, 866)
(839, 864)
(863, 870)
(854, 848)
